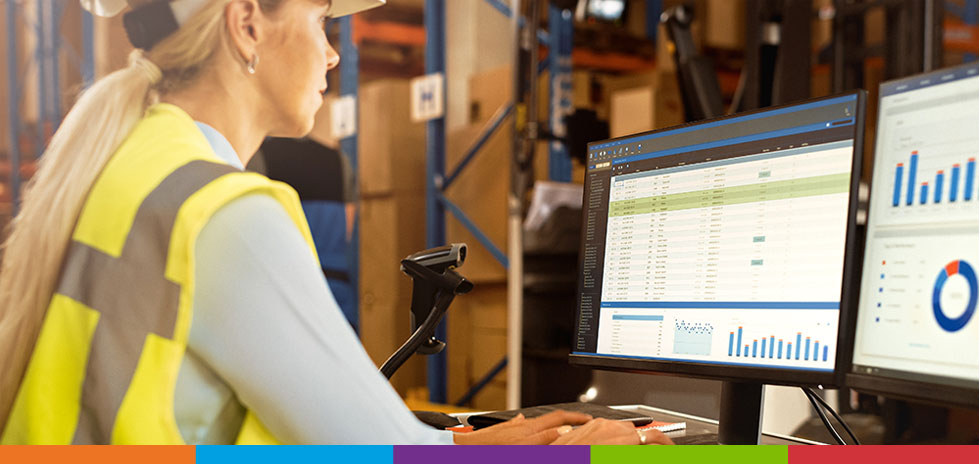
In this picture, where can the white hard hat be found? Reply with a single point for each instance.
(113, 7)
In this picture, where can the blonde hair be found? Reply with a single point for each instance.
(90, 134)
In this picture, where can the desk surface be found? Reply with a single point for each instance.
(701, 426)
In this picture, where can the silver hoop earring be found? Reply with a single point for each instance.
(252, 64)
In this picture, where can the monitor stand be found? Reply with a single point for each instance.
(741, 412)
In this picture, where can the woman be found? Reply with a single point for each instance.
(152, 292)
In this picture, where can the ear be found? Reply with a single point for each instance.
(245, 23)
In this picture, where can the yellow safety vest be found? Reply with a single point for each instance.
(105, 365)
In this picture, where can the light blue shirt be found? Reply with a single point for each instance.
(268, 335)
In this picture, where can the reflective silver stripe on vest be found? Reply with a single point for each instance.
(131, 294)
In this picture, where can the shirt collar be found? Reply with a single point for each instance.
(220, 145)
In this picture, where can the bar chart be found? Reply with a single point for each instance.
(800, 347)
(932, 190)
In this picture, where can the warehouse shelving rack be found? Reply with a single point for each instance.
(44, 25)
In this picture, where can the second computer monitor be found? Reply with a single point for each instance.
(916, 331)
(719, 249)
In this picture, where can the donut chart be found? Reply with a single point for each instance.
(965, 270)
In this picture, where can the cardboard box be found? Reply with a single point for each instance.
(391, 149)
(477, 343)
(389, 231)
(643, 102)
(724, 23)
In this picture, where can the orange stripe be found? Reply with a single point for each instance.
(98, 454)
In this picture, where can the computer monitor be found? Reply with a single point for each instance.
(718, 249)
(915, 334)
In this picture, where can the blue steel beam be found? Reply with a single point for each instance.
(88, 49)
(349, 83)
(501, 114)
(13, 113)
(41, 57)
(57, 9)
(472, 227)
(653, 10)
(482, 383)
(435, 169)
(561, 24)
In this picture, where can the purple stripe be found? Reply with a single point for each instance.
(491, 454)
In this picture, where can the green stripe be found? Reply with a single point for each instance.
(768, 191)
(690, 454)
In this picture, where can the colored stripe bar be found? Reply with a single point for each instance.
(740, 331)
(898, 175)
(771, 347)
(806, 355)
(780, 349)
(815, 352)
(924, 192)
(763, 346)
(798, 345)
(912, 177)
(825, 353)
(970, 178)
(953, 194)
(488, 454)
(636, 317)
(754, 348)
(730, 345)
(939, 180)
(724, 304)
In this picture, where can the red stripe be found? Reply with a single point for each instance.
(882, 454)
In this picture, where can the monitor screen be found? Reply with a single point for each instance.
(718, 249)
(918, 294)
(605, 10)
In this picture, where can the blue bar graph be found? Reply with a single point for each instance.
(953, 194)
(788, 350)
(825, 353)
(898, 175)
(739, 342)
(746, 350)
(771, 347)
(970, 178)
(780, 349)
(924, 192)
(806, 355)
(912, 177)
(730, 345)
(939, 179)
(754, 349)
(798, 345)
(763, 347)
(815, 351)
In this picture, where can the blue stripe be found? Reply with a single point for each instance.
(627, 317)
(266, 454)
(724, 122)
(726, 142)
(724, 304)
(700, 361)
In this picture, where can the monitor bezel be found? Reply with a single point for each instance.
(849, 287)
(914, 390)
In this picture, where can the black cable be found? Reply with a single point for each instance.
(822, 416)
(835, 415)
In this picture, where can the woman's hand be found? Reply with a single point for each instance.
(609, 432)
(541, 430)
